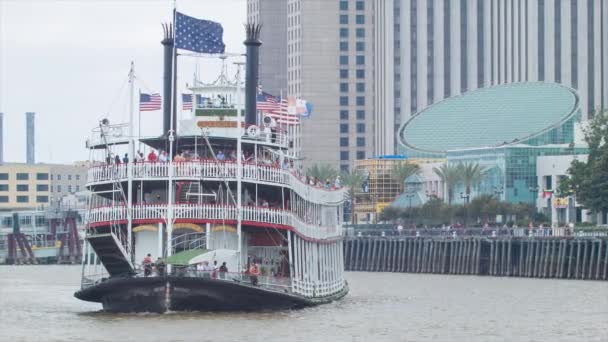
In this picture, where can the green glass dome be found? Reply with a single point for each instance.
(522, 113)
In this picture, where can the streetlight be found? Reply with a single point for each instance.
(466, 201)
(410, 194)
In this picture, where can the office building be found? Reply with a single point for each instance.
(443, 48)
(27, 186)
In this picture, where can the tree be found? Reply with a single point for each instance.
(402, 171)
(589, 180)
(322, 172)
(450, 175)
(353, 180)
(471, 174)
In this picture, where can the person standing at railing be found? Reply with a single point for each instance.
(254, 272)
(160, 267)
(147, 263)
(223, 270)
(152, 157)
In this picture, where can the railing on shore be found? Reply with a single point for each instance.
(211, 212)
(210, 169)
(480, 232)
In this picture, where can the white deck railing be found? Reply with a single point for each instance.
(210, 212)
(207, 169)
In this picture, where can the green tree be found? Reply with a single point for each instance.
(402, 171)
(353, 180)
(450, 176)
(322, 172)
(589, 180)
(471, 174)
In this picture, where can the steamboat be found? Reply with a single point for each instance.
(226, 191)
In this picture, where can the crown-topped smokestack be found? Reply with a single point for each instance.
(251, 76)
(167, 77)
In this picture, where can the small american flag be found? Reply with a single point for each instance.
(149, 102)
(267, 102)
(187, 101)
(278, 109)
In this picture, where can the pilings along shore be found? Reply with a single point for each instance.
(546, 257)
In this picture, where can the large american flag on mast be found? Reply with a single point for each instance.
(149, 102)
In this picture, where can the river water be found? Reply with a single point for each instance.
(36, 303)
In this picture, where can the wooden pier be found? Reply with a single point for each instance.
(537, 257)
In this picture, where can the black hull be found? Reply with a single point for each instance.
(156, 294)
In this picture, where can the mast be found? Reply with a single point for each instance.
(239, 164)
(171, 138)
(130, 164)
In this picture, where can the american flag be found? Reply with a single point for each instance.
(276, 108)
(198, 35)
(187, 101)
(149, 102)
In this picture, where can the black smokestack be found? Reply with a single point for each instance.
(251, 76)
(167, 76)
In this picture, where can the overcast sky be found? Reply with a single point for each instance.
(68, 61)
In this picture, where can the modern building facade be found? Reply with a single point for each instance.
(27, 186)
(562, 209)
(443, 48)
(273, 68)
(329, 61)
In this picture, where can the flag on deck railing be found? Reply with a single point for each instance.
(187, 101)
(149, 102)
(198, 35)
(283, 115)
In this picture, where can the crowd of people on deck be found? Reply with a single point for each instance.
(265, 159)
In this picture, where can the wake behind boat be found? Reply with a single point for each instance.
(218, 212)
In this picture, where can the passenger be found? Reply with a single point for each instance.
(147, 263)
(125, 159)
(220, 156)
(163, 157)
(160, 267)
(214, 271)
(117, 159)
(223, 270)
(152, 157)
(254, 272)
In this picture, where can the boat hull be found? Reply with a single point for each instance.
(161, 294)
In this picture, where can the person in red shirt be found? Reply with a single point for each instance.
(152, 156)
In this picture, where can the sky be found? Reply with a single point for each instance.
(68, 62)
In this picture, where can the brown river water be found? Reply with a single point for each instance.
(37, 304)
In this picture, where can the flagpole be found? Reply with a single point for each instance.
(130, 165)
(139, 122)
(171, 137)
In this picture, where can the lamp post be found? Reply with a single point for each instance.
(466, 201)
(409, 194)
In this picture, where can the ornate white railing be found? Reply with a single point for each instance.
(215, 212)
(207, 169)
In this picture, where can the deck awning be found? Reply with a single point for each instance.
(183, 258)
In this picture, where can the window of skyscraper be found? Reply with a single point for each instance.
(42, 187)
(360, 128)
(23, 187)
(344, 87)
(344, 60)
(360, 33)
(360, 87)
(343, 73)
(343, 128)
(360, 155)
(360, 142)
(343, 155)
(23, 176)
(344, 142)
(360, 101)
(360, 115)
(360, 46)
(344, 33)
(4, 176)
(344, 5)
(343, 115)
(360, 73)
(360, 60)
(360, 5)
(3, 187)
(42, 199)
(343, 46)
(23, 199)
(343, 100)
(360, 19)
(343, 19)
